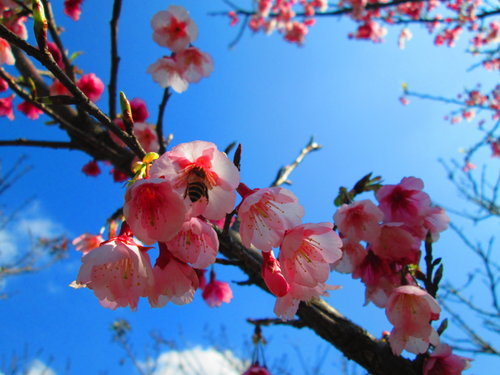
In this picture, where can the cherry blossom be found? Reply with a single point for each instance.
(173, 28)
(30, 110)
(91, 169)
(153, 210)
(146, 135)
(87, 242)
(265, 215)
(174, 281)
(256, 369)
(139, 110)
(200, 163)
(73, 9)
(359, 221)
(410, 309)
(57, 88)
(6, 56)
(194, 64)
(395, 244)
(56, 54)
(307, 252)
(216, 292)
(91, 85)
(118, 271)
(6, 107)
(443, 362)
(167, 73)
(196, 243)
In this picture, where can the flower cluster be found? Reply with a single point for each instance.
(169, 203)
(271, 218)
(381, 243)
(175, 30)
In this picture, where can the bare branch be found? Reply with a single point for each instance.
(115, 59)
(46, 144)
(159, 123)
(284, 172)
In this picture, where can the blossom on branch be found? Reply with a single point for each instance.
(30, 110)
(73, 9)
(91, 85)
(216, 292)
(6, 108)
(173, 28)
(6, 56)
(443, 362)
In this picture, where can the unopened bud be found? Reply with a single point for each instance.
(41, 24)
(126, 112)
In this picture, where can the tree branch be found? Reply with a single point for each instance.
(47, 144)
(115, 59)
(159, 123)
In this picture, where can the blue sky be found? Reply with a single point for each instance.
(271, 96)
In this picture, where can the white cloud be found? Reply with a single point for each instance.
(8, 247)
(199, 361)
(37, 367)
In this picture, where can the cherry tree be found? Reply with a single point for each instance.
(188, 200)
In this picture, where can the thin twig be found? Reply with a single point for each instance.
(46, 144)
(284, 172)
(115, 59)
(159, 123)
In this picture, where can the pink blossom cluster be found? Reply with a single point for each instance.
(380, 244)
(170, 204)
(175, 30)
(271, 218)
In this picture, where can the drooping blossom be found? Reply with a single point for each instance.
(194, 64)
(265, 215)
(118, 175)
(443, 362)
(91, 85)
(3, 85)
(30, 110)
(359, 221)
(139, 110)
(216, 292)
(410, 310)
(200, 165)
(146, 135)
(196, 243)
(118, 271)
(91, 169)
(73, 9)
(87, 242)
(256, 369)
(307, 252)
(57, 88)
(6, 108)
(396, 244)
(173, 28)
(154, 211)
(404, 36)
(167, 73)
(273, 276)
(352, 256)
(296, 33)
(6, 56)
(174, 281)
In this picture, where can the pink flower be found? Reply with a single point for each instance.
(410, 309)
(6, 56)
(442, 362)
(118, 271)
(405, 202)
(370, 30)
(146, 135)
(203, 175)
(174, 280)
(296, 33)
(396, 244)
(272, 275)
(118, 175)
(87, 242)
(167, 73)
(91, 169)
(56, 54)
(153, 210)
(91, 86)
(30, 110)
(6, 107)
(196, 243)
(139, 110)
(57, 88)
(194, 64)
(173, 28)
(256, 369)
(216, 292)
(307, 252)
(352, 256)
(3, 85)
(15, 23)
(73, 9)
(265, 215)
(359, 221)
